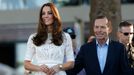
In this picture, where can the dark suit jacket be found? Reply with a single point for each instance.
(116, 62)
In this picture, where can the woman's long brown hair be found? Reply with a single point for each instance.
(42, 33)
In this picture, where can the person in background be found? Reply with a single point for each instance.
(49, 45)
(102, 56)
(90, 38)
(133, 51)
(125, 36)
(72, 34)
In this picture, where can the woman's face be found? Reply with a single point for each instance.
(47, 15)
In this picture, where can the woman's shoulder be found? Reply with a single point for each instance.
(32, 35)
(66, 34)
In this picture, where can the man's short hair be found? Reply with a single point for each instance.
(124, 24)
(101, 16)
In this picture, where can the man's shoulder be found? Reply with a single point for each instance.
(89, 44)
(116, 43)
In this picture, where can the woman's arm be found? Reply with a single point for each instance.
(67, 65)
(31, 67)
(60, 67)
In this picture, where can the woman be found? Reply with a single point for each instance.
(49, 45)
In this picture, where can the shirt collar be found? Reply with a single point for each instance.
(106, 43)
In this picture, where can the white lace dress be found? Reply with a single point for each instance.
(50, 54)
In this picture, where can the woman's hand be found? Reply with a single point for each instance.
(50, 71)
(54, 69)
(45, 69)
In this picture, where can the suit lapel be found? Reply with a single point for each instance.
(94, 50)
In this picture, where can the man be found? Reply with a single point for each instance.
(102, 56)
(125, 35)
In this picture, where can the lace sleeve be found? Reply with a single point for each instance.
(68, 48)
(30, 49)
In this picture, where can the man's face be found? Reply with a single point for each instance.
(101, 29)
(126, 34)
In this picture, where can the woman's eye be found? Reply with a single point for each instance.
(47, 13)
(43, 13)
(50, 13)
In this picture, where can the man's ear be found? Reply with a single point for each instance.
(110, 30)
(118, 34)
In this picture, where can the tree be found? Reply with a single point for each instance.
(110, 8)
